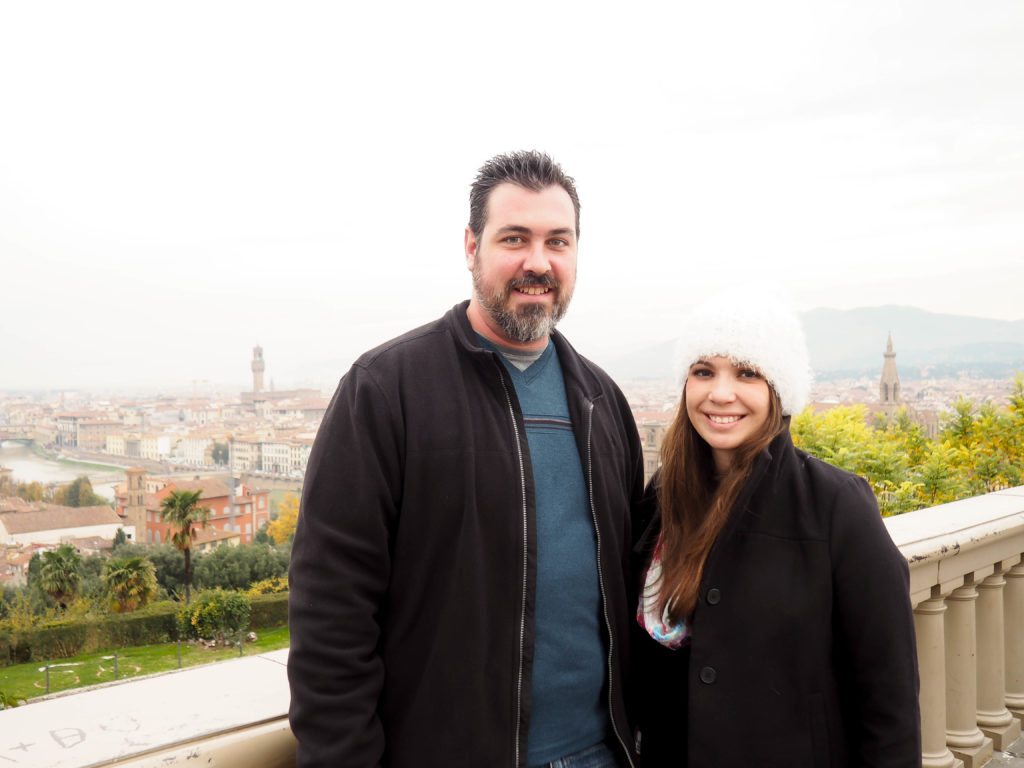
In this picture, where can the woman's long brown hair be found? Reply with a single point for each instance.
(695, 505)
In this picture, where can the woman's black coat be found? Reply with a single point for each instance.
(803, 650)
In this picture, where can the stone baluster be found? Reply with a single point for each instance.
(1014, 639)
(965, 739)
(994, 718)
(931, 659)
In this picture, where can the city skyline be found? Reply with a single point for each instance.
(179, 186)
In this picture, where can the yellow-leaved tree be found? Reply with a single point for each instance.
(283, 528)
(979, 449)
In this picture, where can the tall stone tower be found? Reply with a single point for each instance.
(889, 388)
(135, 506)
(257, 369)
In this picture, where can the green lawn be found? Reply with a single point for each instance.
(24, 681)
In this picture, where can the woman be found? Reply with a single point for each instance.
(774, 626)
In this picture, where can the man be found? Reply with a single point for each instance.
(458, 580)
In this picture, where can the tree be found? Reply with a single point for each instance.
(980, 449)
(120, 537)
(34, 491)
(130, 581)
(238, 567)
(181, 509)
(960, 425)
(220, 453)
(283, 528)
(910, 438)
(262, 537)
(60, 574)
(91, 586)
(169, 562)
(78, 493)
(937, 484)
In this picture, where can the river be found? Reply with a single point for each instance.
(28, 466)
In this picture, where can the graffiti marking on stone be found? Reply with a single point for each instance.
(68, 737)
(121, 724)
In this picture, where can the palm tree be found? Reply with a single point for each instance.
(131, 581)
(181, 509)
(60, 574)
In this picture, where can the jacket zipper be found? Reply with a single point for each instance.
(522, 609)
(600, 583)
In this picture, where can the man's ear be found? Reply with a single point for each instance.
(471, 246)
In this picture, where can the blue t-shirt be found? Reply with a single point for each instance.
(567, 713)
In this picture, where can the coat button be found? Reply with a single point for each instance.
(708, 675)
(714, 595)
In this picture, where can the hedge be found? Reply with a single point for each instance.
(269, 611)
(6, 649)
(69, 637)
(154, 623)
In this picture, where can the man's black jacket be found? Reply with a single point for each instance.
(414, 564)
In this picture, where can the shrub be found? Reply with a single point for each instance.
(214, 614)
(269, 611)
(70, 636)
(269, 586)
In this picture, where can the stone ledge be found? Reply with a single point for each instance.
(176, 715)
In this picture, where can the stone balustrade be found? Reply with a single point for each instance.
(233, 714)
(967, 588)
(966, 585)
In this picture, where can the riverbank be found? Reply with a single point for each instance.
(64, 458)
(31, 463)
(34, 462)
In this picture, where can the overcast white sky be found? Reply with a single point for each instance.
(181, 181)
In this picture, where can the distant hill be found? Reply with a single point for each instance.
(851, 343)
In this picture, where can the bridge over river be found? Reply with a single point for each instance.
(25, 432)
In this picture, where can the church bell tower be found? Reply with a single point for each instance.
(257, 369)
(889, 387)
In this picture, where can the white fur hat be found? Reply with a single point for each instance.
(751, 325)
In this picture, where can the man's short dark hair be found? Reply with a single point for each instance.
(529, 169)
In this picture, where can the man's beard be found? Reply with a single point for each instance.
(531, 321)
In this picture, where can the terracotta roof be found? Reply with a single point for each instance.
(314, 404)
(94, 543)
(206, 535)
(16, 504)
(52, 517)
(22, 558)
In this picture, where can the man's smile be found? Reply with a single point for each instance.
(533, 290)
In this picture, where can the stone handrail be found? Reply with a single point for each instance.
(966, 585)
(232, 714)
(967, 588)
